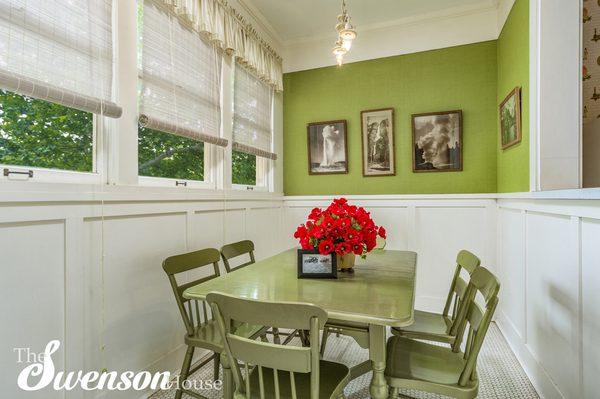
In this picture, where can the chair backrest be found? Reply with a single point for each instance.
(453, 310)
(190, 309)
(478, 318)
(236, 249)
(286, 361)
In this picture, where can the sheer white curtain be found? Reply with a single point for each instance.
(180, 78)
(252, 115)
(59, 51)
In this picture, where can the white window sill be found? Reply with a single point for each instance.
(28, 191)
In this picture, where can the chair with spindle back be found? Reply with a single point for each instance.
(201, 329)
(279, 371)
(418, 365)
(443, 327)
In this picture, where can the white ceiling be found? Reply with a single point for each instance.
(293, 20)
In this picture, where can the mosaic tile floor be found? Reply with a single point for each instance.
(501, 376)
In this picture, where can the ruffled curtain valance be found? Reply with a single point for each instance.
(223, 25)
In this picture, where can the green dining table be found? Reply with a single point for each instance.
(379, 294)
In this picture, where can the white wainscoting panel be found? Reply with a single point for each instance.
(590, 278)
(552, 298)
(548, 260)
(32, 298)
(90, 274)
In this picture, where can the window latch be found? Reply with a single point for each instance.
(249, 188)
(8, 172)
(180, 183)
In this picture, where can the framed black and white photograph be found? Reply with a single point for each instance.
(327, 148)
(437, 141)
(311, 264)
(378, 147)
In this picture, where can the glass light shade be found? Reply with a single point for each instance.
(339, 48)
(347, 44)
(348, 33)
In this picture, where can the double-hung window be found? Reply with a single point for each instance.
(180, 100)
(56, 62)
(252, 153)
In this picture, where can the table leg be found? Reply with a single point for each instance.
(377, 342)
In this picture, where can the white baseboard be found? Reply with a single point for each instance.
(539, 378)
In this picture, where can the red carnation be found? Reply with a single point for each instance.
(326, 247)
(382, 232)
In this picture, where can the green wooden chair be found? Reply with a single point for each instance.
(279, 371)
(443, 327)
(429, 326)
(422, 366)
(201, 329)
(241, 248)
(236, 249)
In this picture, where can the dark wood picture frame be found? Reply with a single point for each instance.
(519, 136)
(308, 144)
(460, 141)
(302, 274)
(392, 144)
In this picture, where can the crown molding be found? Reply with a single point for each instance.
(449, 13)
(504, 8)
(261, 20)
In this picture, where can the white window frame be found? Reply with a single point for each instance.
(51, 175)
(208, 183)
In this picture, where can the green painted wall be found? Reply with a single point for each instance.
(461, 77)
(513, 70)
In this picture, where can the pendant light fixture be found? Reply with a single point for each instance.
(346, 35)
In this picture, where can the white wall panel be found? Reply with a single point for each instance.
(590, 277)
(512, 270)
(32, 298)
(440, 233)
(552, 298)
(260, 228)
(130, 289)
(395, 221)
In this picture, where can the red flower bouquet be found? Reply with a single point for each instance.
(341, 228)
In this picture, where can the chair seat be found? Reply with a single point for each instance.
(407, 358)
(430, 326)
(208, 336)
(333, 378)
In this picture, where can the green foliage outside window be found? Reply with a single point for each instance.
(40, 134)
(166, 155)
(243, 168)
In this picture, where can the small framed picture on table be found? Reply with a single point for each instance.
(311, 264)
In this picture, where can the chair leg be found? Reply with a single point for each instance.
(324, 340)
(216, 365)
(394, 393)
(276, 338)
(185, 370)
